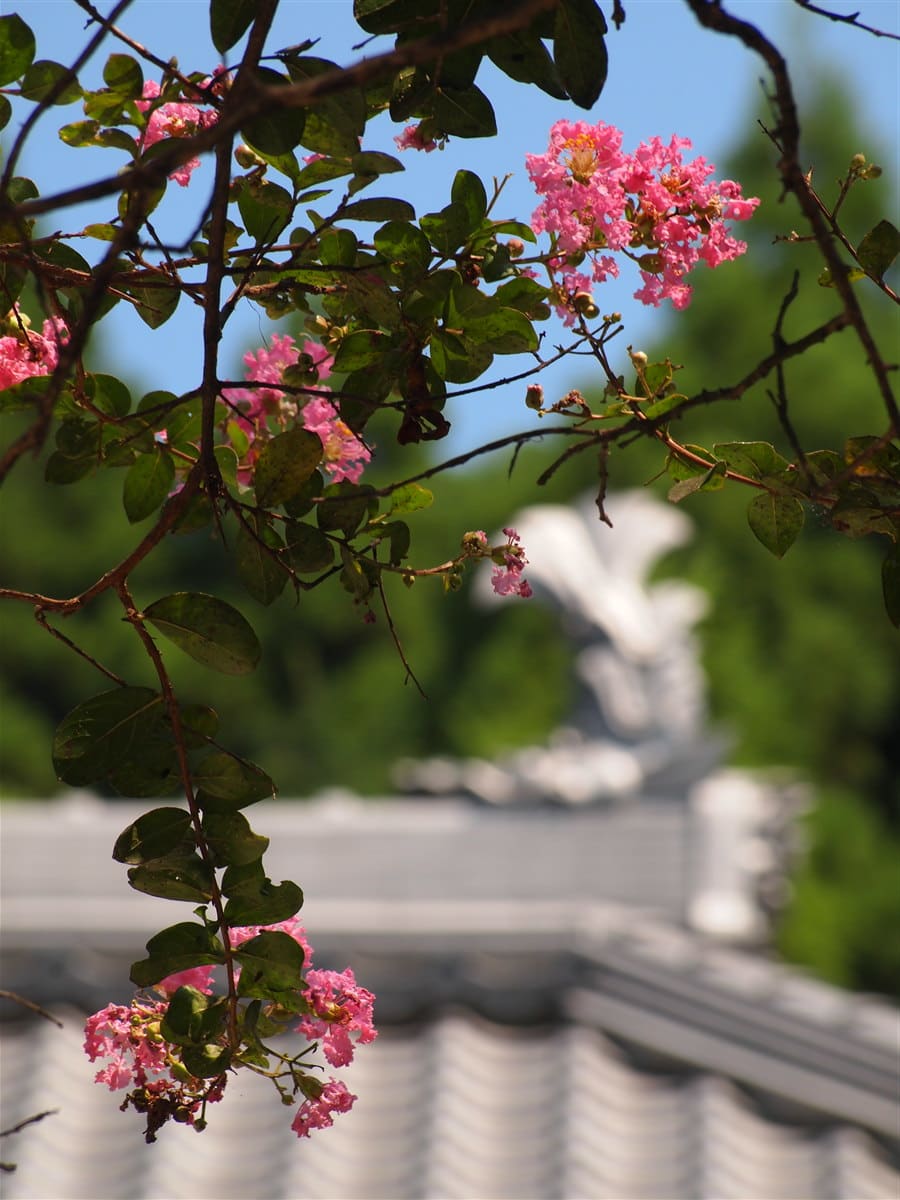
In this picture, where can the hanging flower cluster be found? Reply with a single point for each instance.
(509, 561)
(174, 119)
(345, 455)
(662, 212)
(340, 1014)
(24, 353)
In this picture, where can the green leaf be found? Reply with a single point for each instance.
(667, 404)
(363, 348)
(284, 466)
(457, 359)
(229, 20)
(209, 630)
(464, 112)
(16, 48)
(405, 248)
(256, 900)
(228, 783)
(374, 162)
(579, 50)
(280, 130)
(309, 549)
(468, 192)
(193, 1017)
(108, 394)
(753, 459)
(153, 835)
(271, 963)
(79, 133)
(379, 208)
(265, 208)
(186, 878)
(710, 480)
(100, 732)
(154, 305)
(44, 78)
(447, 229)
(123, 74)
(206, 1061)
(147, 484)
(344, 508)
(879, 248)
(260, 573)
(334, 124)
(522, 56)
(890, 582)
(174, 949)
(410, 498)
(5, 112)
(231, 840)
(775, 520)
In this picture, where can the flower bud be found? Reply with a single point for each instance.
(583, 302)
(534, 397)
(857, 162)
(247, 158)
(639, 358)
(516, 247)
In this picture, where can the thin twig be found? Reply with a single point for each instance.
(32, 1006)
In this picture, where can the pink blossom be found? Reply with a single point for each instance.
(664, 213)
(293, 927)
(411, 139)
(129, 1038)
(506, 577)
(173, 120)
(335, 1097)
(196, 977)
(340, 1007)
(25, 353)
(345, 455)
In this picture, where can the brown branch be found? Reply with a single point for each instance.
(34, 1007)
(410, 673)
(846, 19)
(41, 617)
(787, 138)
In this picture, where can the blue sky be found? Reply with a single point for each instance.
(666, 75)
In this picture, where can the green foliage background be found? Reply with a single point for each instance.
(803, 666)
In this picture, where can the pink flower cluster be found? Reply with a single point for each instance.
(173, 120)
(411, 139)
(509, 561)
(129, 1038)
(24, 353)
(345, 455)
(664, 213)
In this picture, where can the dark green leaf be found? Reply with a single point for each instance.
(309, 549)
(231, 840)
(879, 248)
(45, 78)
(447, 229)
(153, 835)
(464, 112)
(271, 963)
(229, 20)
(177, 948)
(344, 508)
(5, 112)
(468, 192)
(209, 630)
(334, 124)
(284, 466)
(775, 520)
(187, 879)
(123, 74)
(255, 900)
(373, 162)
(579, 50)
(405, 247)
(280, 130)
(457, 359)
(16, 48)
(154, 305)
(229, 783)
(62, 469)
(79, 133)
(265, 208)
(378, 208)
(260, 573)
(522, 56)
(99, 732)
(193, 1017)
(147, 484)
(207, 1060)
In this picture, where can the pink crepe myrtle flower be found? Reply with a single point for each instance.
(128, 1036)
(663, 212)
(25, 353)
(506, 577)
(316, 1112)
(411, 139)
(340, 1007)
(175, 119)
(195, 977)
(346, 455)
